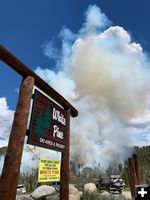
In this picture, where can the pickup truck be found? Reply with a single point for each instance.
(111, 183)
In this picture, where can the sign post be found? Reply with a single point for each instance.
(64, 186)
(55, 134)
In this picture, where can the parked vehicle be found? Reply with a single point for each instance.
(111, 183)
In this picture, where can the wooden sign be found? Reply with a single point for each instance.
(48, 124)
(49, 127)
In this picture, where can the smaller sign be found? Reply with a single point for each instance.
(49, 170)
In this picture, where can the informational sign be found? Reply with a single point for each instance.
(48, 124)
(49, 170)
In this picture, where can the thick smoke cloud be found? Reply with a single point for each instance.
(105, 75)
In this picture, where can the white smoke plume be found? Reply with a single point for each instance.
(106, 76)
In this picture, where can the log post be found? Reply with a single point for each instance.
(137, 170)
(132, 176)
(64, 185)
(11, 168)
(130, 181)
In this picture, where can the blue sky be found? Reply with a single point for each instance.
(96, 54)
(26, 25)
